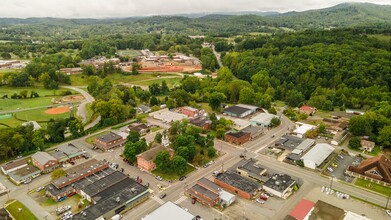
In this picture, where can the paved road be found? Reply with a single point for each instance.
(217, 56)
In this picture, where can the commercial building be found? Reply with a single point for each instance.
(201, 122)
(288, 142)
(255, 131)
(302, 128)
(190, 111)
(240, 111)
(23, 174)
(237, 138)
(140, 128)
(13, 165)
(111, 195)
(252, 169)
(67, 153)
(109, 141)
(315, 157)
(167, 116)
(239, 124)
(145, 160)
(302, 209)
(44, 161)
(304, 146)
(263, 119)
(237, 184)
(377, 169)
(209, 193)
(169, 211)
(280, 185)
(339, 137)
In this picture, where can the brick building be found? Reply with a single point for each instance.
(237, 184)
(201, 122)
(237, 138)
(189, 111)
(146, 159)
(378, 168)
(44, 161)
(109, 141)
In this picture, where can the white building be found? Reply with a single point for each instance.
(314, 157)
(263, 119)
(280, 185)
(169, 211)
(167, 116)
(302, 128)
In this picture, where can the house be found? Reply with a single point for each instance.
(263, 119)
(13, 165)
(202, 122)
(169, 210)
(67, 153)
(367, 145)
(237, 184)
(252, 169)
(317, 155)
(109, 141)
(209, 193)
(378, 168)
(145, 160)
(240, 111)
(190, 111)
(44, 161)
(237, 138)
(140, 128)
(144, 109)
(302, 129)
(306, 109)
(23, 174)
(280, 185)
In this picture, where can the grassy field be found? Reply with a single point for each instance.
(89, 111)
(172, 176)
(40, 115)
(171, 82)
(129, 53)
(373, 186)
(25, 213)
(12, 122)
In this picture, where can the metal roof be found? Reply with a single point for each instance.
(169, 211)
(318, 153)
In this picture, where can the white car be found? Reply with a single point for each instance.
(159, 178)
(330, 169)
(260, 201)
(388, 212)
(215, 173)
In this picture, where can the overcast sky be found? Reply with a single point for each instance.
(128, 8)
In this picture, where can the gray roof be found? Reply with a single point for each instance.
(238, 182)
(289, 142)
(43, 157)
(279, 182)
(169, 211)
(111, 136)
(208, 184)
(305, 144)
(237, 110)
(24, 172)
(252, 167)
(104, 183)
(65, 151)
(204, 191)
(318, 153)
(253, 129)
(15, 163)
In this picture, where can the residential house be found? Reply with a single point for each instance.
(306, 109)
(44, 161)
(367, 145)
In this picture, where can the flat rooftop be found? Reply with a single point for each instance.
(237, 110)
(252, 167)
(205, 192)
(169, 211)
(289, 142)
(109, 137)
(14, 164)
(104, 183)
(66, 151)
(238, 182)
(23, 172)
(279, 182)
(238, 134)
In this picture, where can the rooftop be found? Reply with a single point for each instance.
(167, 116)
(208, 184)
(238, 134)
(14, 163)
(205, 192)
(23, 172)
(109, 137)
(303, 128)
(66, 151)
(238, 181)
(279, 182)
(237, 110)
(251, 166)
(323, 210)
(137, 127)
(379, 167)
(200, 121)
(263, 118)
(104, 183)
(42, 157)
(253, 129)
(289, 142)
(150, 154)
(169, 211)
(318, 153)
(302, 209)
(189, 108)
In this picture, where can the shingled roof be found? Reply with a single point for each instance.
(376, 167)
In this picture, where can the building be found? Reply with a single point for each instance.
(109, 141)
(240, 111)
(239, 124)
(190, 111)
(201, 122)
(304, 146)
(339, 137)
(144, 109)
(302, 129)
(4, 215)
(237, 184)
(376, 168)
(13, 165)
(317, 155)
(302, 209)
(355, 112)
(23, 174)
(288, 142)
(140, 128)
(255, 131)
(209, 193)
(67, 153)
(167, 116)
(145, 160)
(306, 109)
(252, 169)
(237, 138)
(72, 71)
(44, 161)
(280, 185)
(169, 211)
(367, 145)
(263, 119)
(111, 195)
(35, 125)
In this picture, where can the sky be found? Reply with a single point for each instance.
(129, 8)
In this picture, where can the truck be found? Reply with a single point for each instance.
(116, 217)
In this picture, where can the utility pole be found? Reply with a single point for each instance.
(388, 199)
(331, 182)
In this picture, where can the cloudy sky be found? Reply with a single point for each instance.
(128, 8)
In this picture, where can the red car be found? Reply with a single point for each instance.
(263, 197)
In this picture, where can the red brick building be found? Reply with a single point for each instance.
(109, 141)
(205, 191)
(145, 159)
(201, 122)
(237, 138)
(238, 185)
(189, 111)
(44, 161)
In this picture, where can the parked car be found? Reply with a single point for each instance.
(269, 194)
(162, 196)
(40, 188)
(272, 136)
(206, 165)
(182, 178)
(388, 212)
(340, 156)
(159, 178)
(27, 181)
(330, 169)
(260, 201)
(334, 165)
(215, 173)
(263, 197)
(193, 201)
(242, 156)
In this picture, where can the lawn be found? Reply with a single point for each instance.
(206, 158)
(172, 176)
(91, 139)
(40, 115)
(278, 103)
(89, 112)
(155, 128)
(381, 37)
(171, 82)
(12, 122)
(25, 213)
(206, 107)
(129, 53)
(373, 186)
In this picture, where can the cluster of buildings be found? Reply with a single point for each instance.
(12, 64)
(24, 170)
(178, 59)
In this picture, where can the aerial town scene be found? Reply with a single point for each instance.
(195, 110)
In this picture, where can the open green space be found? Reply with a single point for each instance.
(91, 139)
(171, 82)
(20, 211)
(40, 115)
(172, 176)
(373, 186)
(381, 37)
(89, 112)
(11, 122)
(128, 53)
(205, 156)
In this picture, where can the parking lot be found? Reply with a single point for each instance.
(339, 165)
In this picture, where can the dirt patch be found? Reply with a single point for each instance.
(73, 98)
(56, 111)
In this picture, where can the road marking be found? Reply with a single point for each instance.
(183, 198)
(161, 202)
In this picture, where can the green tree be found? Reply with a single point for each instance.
(153, 101)
(355, 142)
(164, 88)
(179, 165)
(133, 137)
(211, 152)
(131, 150)
(158, 137)
(247, 96)
(359, 125)
(5, 55)
(76, 127)
(384, 137)
(162, 161)
(215, 100)
(275, 122)
(57, 173)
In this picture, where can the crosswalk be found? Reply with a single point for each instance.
(157, 199)
(183, 198)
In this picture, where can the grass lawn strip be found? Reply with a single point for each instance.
(25, 213)
(173, 176)
(373, 186)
